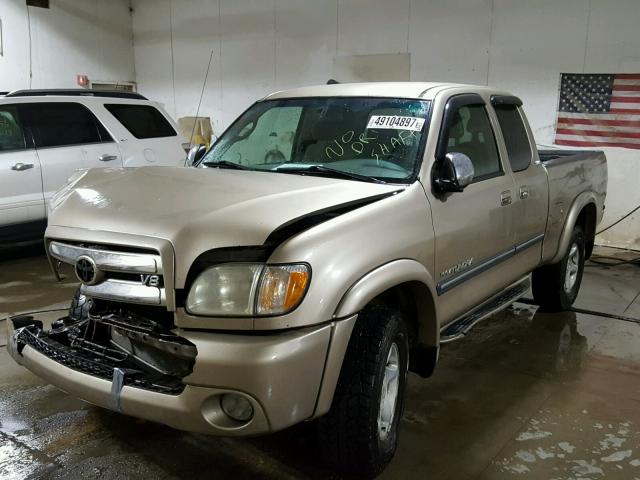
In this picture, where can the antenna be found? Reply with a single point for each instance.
(204, 83)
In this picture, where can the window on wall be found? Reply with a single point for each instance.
(515, 136)
(471, 133)
(12, 135)
(59, 124)
(142, 121)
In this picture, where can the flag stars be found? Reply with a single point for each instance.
(585, 93)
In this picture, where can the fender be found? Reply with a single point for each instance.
(579, 203)
(390, 275)
(364, 290)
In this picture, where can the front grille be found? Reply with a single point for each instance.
(122, 274)
(82, 360)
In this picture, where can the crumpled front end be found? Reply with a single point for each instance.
(127, 352)
(124, 348)
(135, 366)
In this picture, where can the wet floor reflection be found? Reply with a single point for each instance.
(524, 394)
(493, 406)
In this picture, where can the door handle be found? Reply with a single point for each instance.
(21, 167)
(524, 193)
(505, 198)
(107, 157)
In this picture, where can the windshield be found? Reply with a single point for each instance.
(368, 138)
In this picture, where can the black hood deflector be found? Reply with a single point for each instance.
(305, 222)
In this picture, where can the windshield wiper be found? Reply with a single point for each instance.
(322, 169)
(226, 164)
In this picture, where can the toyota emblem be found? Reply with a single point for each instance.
(86, 270)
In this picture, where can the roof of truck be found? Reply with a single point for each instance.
(426, 90)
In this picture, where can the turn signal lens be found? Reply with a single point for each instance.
(282, 288)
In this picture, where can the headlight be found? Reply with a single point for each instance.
(246, 289)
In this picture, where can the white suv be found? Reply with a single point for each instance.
(46, 135)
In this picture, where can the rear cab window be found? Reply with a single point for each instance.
(142, 121)
(515, 136)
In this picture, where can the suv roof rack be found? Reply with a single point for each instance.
(76, 92)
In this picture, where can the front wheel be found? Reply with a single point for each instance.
(555, 287)
(359, 435)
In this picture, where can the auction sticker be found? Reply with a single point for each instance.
(396, 122)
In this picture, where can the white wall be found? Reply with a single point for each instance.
(265, 45)
(89, 37)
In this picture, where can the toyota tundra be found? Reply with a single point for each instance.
(330, 241)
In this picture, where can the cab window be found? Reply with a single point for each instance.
(515, 137)
(471, 133)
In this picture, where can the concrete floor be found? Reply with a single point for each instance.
(526, 394)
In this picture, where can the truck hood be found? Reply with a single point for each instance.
(196, 208)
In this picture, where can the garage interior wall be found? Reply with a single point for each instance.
(73, 37)
(264, 45)
(259, 46)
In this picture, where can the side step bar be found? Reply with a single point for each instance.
(461, 326)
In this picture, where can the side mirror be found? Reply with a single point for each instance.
(453, 173)
(195, 153)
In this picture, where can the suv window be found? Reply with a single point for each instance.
(12, 135)
(142, 121)
(58, 124)
(471, 133)
(515, 137)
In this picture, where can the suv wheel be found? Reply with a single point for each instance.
(555, 287)
(359, 435)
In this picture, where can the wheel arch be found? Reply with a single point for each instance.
(588, 219)
(407, 285)
(583, 212)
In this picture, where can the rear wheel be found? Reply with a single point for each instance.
(555, 287)
(359, 435)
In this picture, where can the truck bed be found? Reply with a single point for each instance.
(571, 173)
(560, 155)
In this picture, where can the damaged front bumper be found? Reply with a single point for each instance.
(287, 377)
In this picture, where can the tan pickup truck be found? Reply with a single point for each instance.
(328, 243)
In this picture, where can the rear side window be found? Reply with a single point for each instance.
(142, 121)
(12, 135)
(515, 137)
(62, 124)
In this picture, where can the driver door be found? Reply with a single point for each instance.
(474, 228)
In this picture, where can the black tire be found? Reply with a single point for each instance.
(548, 282)
(79, 308)
(349, 435)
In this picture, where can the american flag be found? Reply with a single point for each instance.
(599, 109)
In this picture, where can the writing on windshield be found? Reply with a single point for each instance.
(376, 137)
